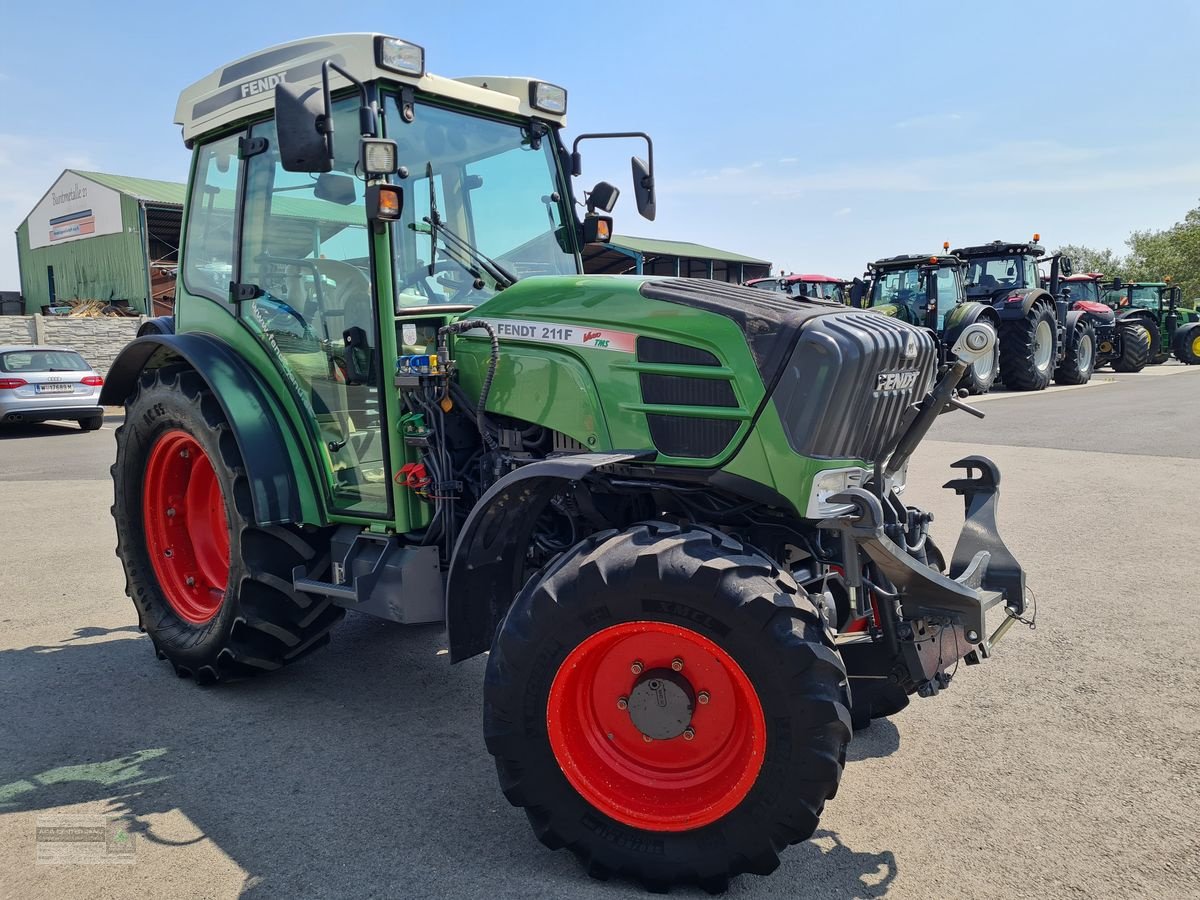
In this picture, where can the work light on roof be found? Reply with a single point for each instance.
(400, 56)
(548, 97)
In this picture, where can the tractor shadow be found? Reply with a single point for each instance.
(39, 430)
(360, 772)
(880, 739)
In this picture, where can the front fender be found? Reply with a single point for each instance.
(283, 487)
(488, 565)
(967, 313)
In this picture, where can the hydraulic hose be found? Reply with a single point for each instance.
(493, 361)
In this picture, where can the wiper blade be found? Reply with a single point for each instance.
(502, 276)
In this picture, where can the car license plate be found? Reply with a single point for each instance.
(55, 388)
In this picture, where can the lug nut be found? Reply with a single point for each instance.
(702, 697)
(168, 553)
(647, 738)
(190, 581)
(622, 703)
(183, 454)
(688, 734)
(636, 668)
(170, 512)
(677, 664)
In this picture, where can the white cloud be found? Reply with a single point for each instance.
(844, 211)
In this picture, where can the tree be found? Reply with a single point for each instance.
(1089, 259)
(1175, 252)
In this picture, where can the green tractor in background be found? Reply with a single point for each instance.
(1174, 327)
(669, 508)
(927, 291)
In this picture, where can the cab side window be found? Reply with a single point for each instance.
(208, 250)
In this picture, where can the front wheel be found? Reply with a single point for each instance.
(1187, 345)
(1080, 359)
(212, 589)
(983, 372)
(667, 703)
(1028, 349)
(1135, 347)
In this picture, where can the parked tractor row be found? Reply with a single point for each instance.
(1052, 324)
(669, 510)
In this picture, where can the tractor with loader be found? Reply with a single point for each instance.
(1040, 338)
(1174, 326)
(927, 291)
(670, 510)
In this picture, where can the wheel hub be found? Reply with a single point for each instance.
(661, 704)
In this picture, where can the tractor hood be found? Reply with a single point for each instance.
(686, 366)
(1099, 310)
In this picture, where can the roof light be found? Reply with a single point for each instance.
(548, 97)
(1036, 237)
(400, 56)
(945, 245)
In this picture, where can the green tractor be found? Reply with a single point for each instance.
(927, 291)
(669, 508)
(1174, 327)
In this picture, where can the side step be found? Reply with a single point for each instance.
(378, 575)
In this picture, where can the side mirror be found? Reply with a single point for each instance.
(1116, 284)
(303, 123)
(643, 188)
(337, 189)
(602, 197)
(1065, 266)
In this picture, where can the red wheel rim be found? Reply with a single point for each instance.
(187, 528)
(674, 784)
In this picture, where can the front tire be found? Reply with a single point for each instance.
(1135, 348)
(212, 589)
(982, 375)
(1187, 345)
(1028, 349)
(1080, 359)
(663, 611)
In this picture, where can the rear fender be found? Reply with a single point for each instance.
(1016, 304)
(487, 569)
(281, 490)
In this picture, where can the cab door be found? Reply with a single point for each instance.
(306, 291)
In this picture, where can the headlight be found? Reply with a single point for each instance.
(548, 97)
(400, 56)
(830, 482)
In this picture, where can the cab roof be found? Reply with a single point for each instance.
(1001, 248)
(246, 87)
(792, 279)
(1085, 276)
(908, 260)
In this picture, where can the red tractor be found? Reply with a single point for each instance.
(1123, 336)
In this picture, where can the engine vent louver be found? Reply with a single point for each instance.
(690, 438)
(653, 350)
(683, 390)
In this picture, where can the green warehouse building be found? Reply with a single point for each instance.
(102, 237)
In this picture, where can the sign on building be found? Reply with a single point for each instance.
(72, 210)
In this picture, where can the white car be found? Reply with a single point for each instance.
(39, 384)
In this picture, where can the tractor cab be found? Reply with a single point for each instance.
(811, 287)
(1174, 326)
(345, 204)
(920, 290)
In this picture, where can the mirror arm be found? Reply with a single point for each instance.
(610, 135)
(367, 111)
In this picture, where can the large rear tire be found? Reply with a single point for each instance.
(1080, 359)
(212, 589)
(1135, 348)
(1028, 349)
(667, 792)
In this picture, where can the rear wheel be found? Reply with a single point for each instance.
(1028, 348)
(212, 589)
(1080, 360)
(1187, 345)
(667, 704)
(1135, 348)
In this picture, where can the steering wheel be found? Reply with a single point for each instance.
(352, 288)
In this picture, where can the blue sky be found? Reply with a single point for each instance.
(817, 138)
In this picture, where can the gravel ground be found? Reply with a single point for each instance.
(1065, 767)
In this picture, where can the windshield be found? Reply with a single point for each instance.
(1084, 290)
(768, 284)
(43, 361)
(996, 273)
(491, 188)
(824, 290)
(903, 287)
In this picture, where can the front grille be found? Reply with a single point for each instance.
(683, 390)
(829, 397)
(688, 437)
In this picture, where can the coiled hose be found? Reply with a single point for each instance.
(485, 389)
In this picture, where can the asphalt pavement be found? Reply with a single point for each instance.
(1065, 767)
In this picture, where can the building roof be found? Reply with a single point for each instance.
(684, 249)
(166, 192)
